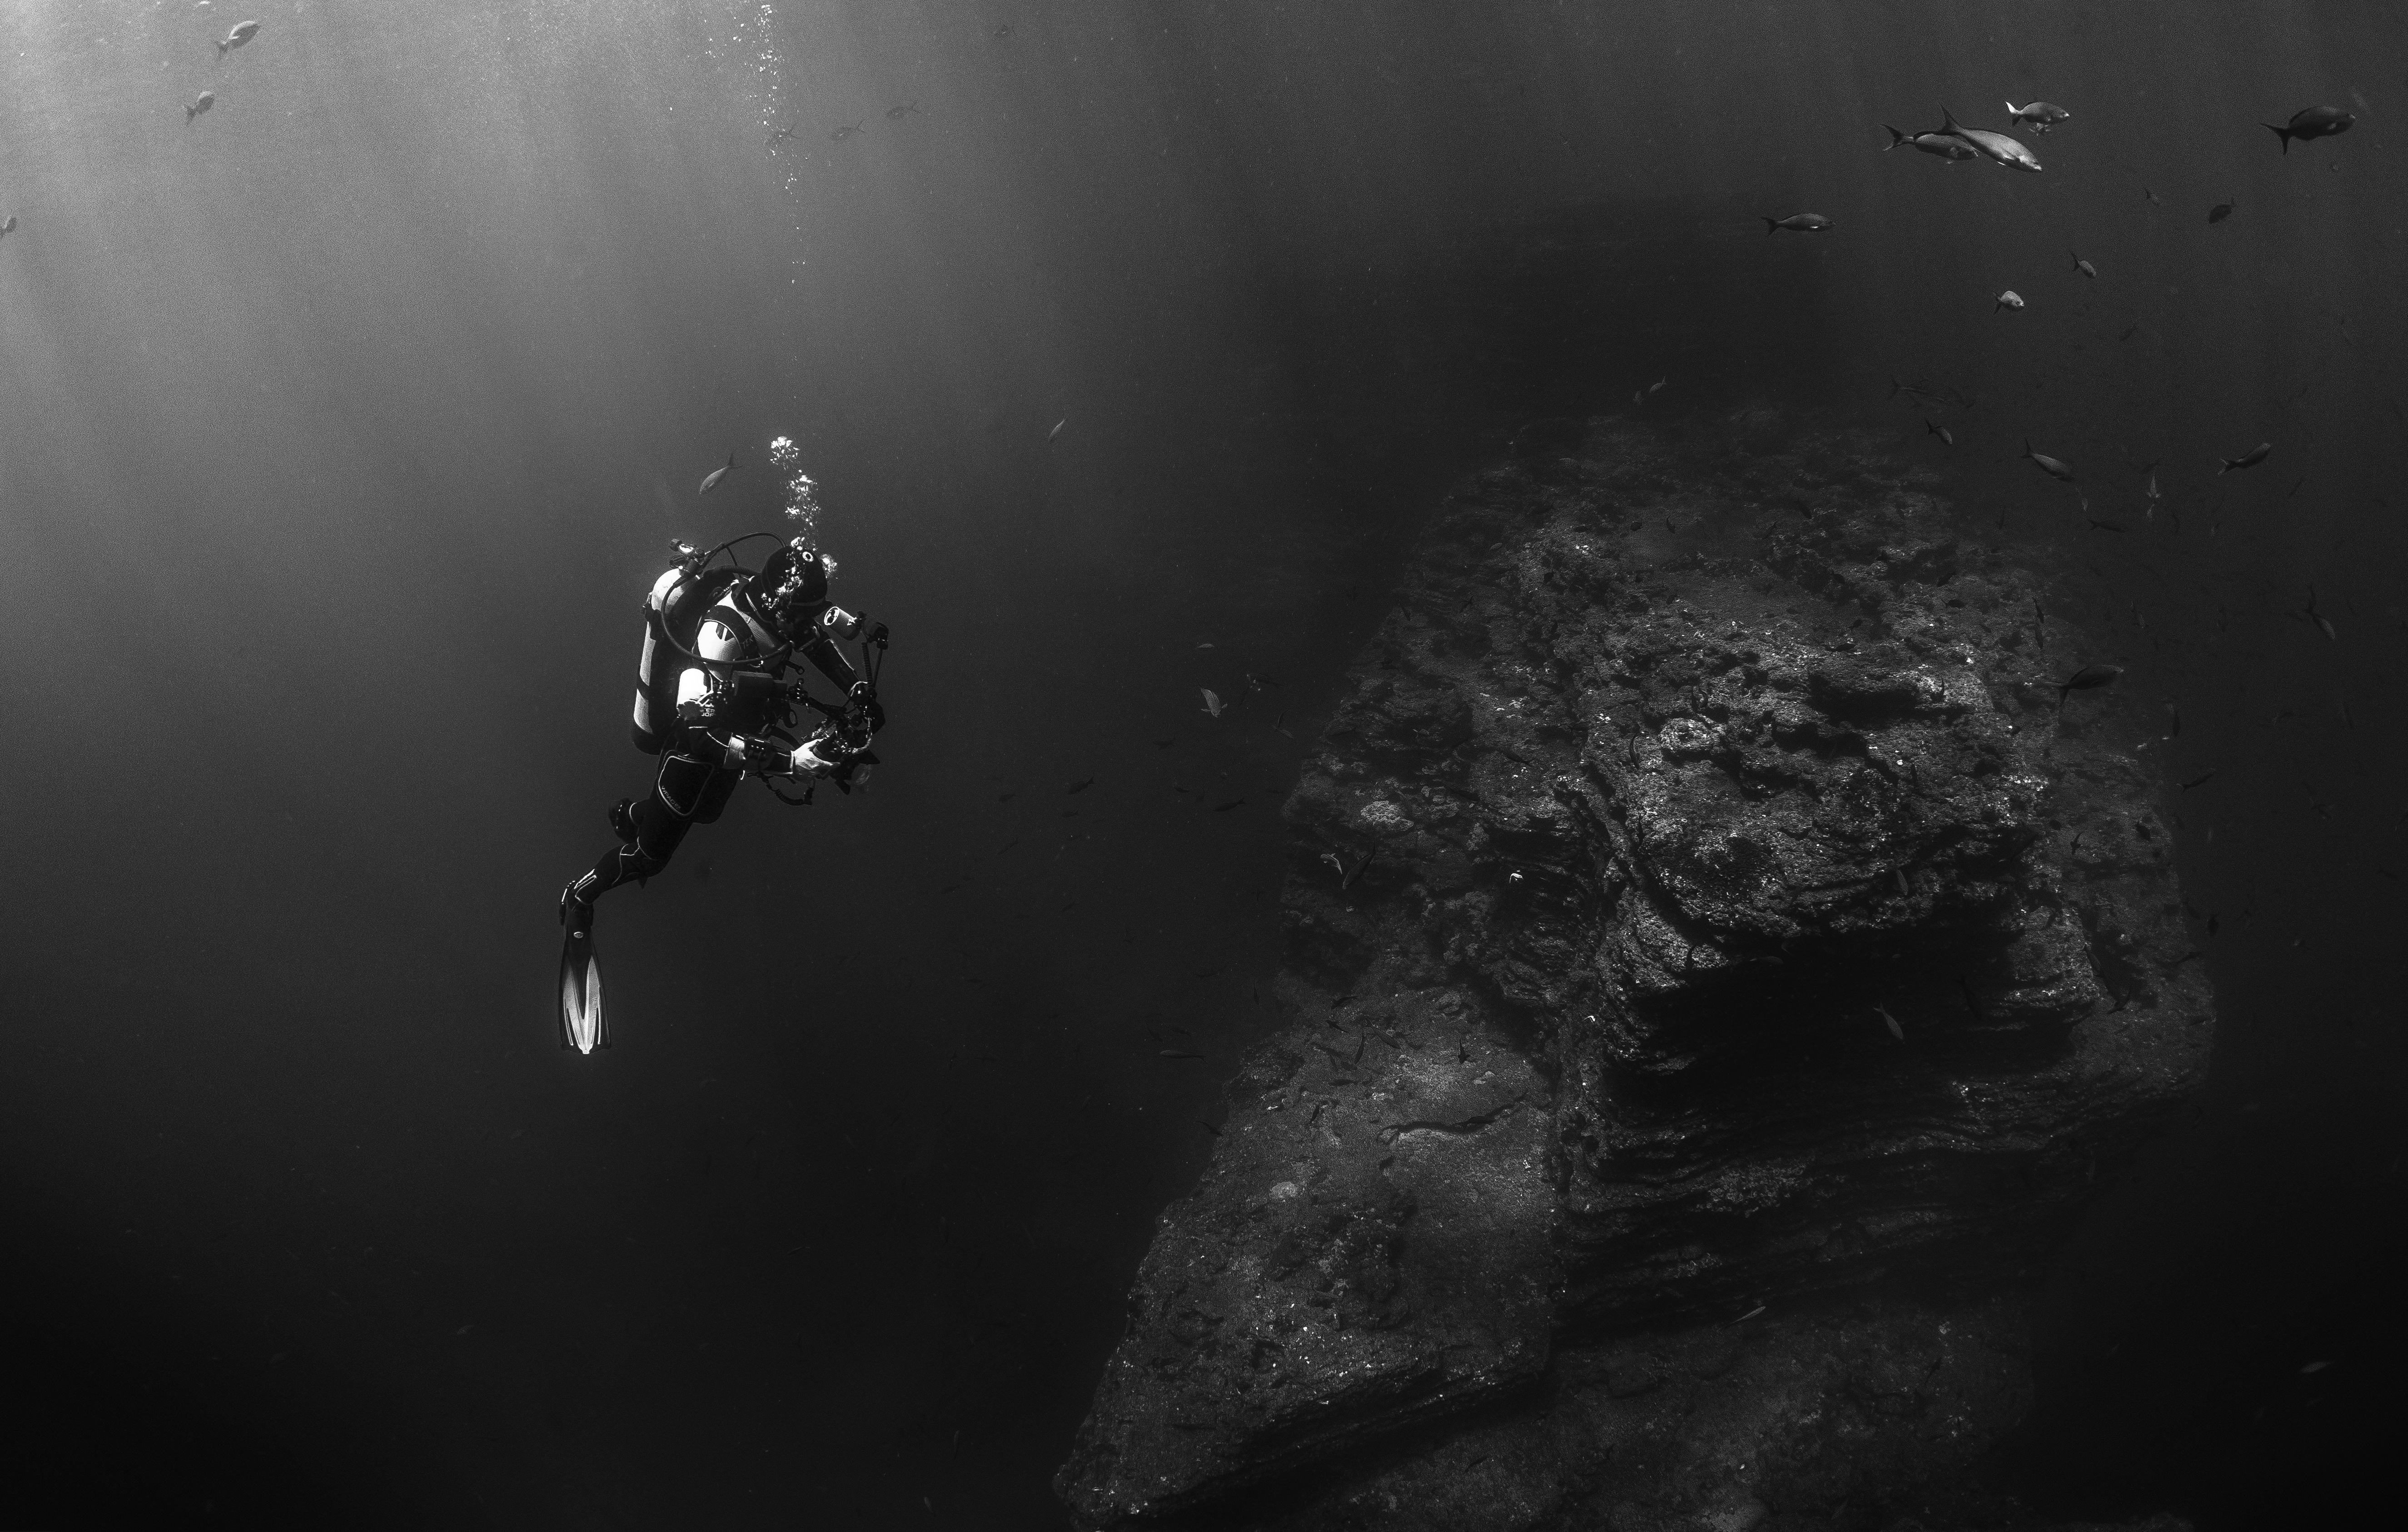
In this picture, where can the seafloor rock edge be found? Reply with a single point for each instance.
(1717, 953)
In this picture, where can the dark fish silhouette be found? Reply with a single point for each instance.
(904, 110)
(2083, 266)
(2048, 465)
(2200, 781)
(840, 135)
(2249, 459)
(2218, 213)
(1946, 145)
(200, 104)
(1939, 431)
(1797, 223)
(781, 135)
(1939, 392)
(2311, 122)
(2089, 678)
(1083, 786)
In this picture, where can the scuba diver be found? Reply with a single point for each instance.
(714, 703)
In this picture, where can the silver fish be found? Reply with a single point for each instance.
(1994, 146)
(200, 104)
(2249, 459)
(1057, 428)
(1946, 145)
(710, 481)
(2083, 266)
(2008, 299)
(1891, 1022)
(1211, 701)
(1797, 223)
(242, 34)
(2049, 465)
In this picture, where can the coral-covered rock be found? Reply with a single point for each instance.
(1703, 900)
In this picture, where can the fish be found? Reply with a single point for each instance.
(1997, 147)
(781, 135)
(897, 113)
(1057, 429)
(2108, 526)
(2089, 678)
(2173, 728)
(243, 33)
(2010, 298)
(2318, 618)
(710, 481)
(1659, 382)
(2129, 331)
(840, 135)
(1891, 1022)
(1939, 392)
(2218, 213)
(1946, 145)
(1002, 31)
(2311, 122)
(200, 104)
(1939, 431)
(1083, 786)
(2048, 465)
(1224, 807)
(2039, 116)
(1353, 878)
(9, 227)
(1211, 701)
(2083, 266)
(2249, 459)
(1796, 224)
(2152, 197)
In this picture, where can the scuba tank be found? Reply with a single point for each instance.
(673, 615)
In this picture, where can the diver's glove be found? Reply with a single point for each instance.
(822, 757)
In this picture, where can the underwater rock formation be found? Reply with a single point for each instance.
(1721, 961)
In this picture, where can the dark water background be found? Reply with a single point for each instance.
(341, 431)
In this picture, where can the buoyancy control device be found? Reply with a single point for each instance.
(673, 615)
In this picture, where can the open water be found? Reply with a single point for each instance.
(344, 424)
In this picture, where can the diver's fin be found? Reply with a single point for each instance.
(581, 1026)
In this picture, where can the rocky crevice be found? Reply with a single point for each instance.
(1703, 900)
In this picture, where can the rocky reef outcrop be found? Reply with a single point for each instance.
(1722, 958)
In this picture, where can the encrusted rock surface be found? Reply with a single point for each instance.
(1720, 962)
